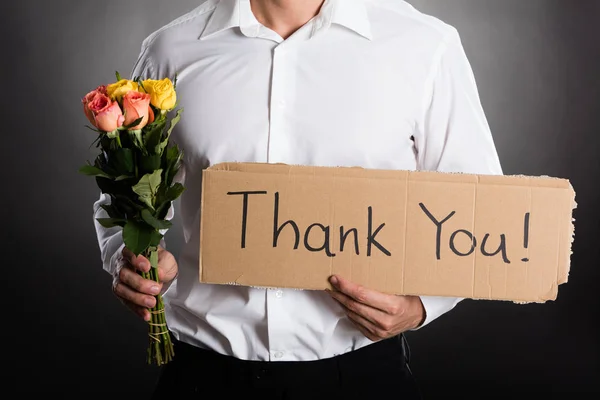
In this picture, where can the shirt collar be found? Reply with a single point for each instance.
(225, 16)
(351, 14)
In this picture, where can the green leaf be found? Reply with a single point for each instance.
(113, 134)
(165, 198)
(155, 238)
(121, 199)
(118, 75)
(174, 122)
(113, 187)
(172, 153)
(175, 191)
(154, 259)
(174, 165)
(105, 142)
(123, 177)
(137, 236)
(128, 207)
(154, 222)
(91, 170)
(136, 138)
(121, 161)
(147, 186)
(134, 123)
(96, 141)
(173, 162)
(150, 163)
(112, 211)
(147, 201)
(111, 222)
(153, 136)
(101, 162)
(163, 209)
(140, 82)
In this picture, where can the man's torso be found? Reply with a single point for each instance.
(347, 89)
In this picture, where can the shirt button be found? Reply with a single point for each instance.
(278, 354)
(279, 294)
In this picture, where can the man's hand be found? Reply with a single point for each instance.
(377, 315)
(136, 292)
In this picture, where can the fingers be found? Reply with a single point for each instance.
(377, 315)
(381, 301)
(371, 331)
(126, 293)
(137, 293)
(132, 289)
(136, 282)
(167, 265)
(351, 305)
(140, 262)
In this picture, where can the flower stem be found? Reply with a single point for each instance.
(160, 346)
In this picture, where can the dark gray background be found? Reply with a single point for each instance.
(537, 66)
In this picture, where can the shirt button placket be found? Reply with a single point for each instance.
(280, 150)
(277, 325)
(278, 140)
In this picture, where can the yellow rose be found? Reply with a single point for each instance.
(162, 93)
(117, 90)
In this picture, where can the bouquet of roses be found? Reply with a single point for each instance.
(136, 166)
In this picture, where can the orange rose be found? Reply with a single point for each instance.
(106, 115)
(137, 105)
(88, 98)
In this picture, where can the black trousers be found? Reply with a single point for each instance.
(380, 369)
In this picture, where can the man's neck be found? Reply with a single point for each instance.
(285, 16)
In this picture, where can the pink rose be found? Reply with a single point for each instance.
(88, 98)
(106, 114)
(137, 105)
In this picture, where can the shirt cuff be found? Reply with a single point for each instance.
(115, 260)
(168, 285)
(435, 307)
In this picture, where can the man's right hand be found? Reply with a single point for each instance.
(136, 292)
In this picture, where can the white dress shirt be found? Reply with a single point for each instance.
(375, 84)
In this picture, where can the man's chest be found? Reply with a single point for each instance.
(299, 104)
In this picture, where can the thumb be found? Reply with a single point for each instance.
(167, 265)
(138, 262)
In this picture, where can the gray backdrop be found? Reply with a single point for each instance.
(537, 66)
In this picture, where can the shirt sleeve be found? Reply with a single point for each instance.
(453, 134)
(110, 240)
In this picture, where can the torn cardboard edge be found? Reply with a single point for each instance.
(232, 264)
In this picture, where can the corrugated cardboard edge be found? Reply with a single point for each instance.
(562, 271)
(258, 167)
(201, 271)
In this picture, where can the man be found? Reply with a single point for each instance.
(375, 84)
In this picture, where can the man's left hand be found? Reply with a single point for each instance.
(377, 315)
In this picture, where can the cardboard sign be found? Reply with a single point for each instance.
(399, 232)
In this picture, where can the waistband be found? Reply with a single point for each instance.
(198, 364)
